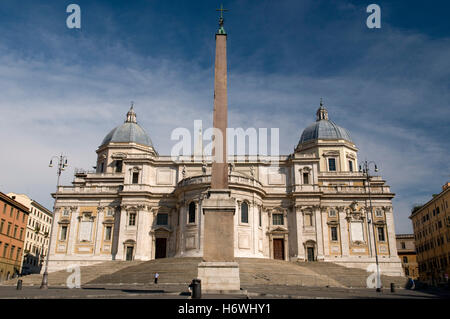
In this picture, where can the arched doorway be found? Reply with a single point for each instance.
(310, 251)
(160, 248)
(129, 246)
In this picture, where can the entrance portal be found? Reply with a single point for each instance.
(278, 249)
(160, 249)
(310, 253)
(129, 253)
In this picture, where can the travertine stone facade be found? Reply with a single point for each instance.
(141, 205)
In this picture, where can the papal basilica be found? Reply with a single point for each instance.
(313, 206)
(139, 205)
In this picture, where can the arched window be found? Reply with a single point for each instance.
(191, 218)
(244, 212)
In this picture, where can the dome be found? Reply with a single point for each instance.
(128, 132)
(324, 129)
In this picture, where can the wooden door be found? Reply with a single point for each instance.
(160, 247)
(310, 254)
(278, 249)
(129, 253)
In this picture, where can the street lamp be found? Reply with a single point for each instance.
(62, 164)
(365, 170)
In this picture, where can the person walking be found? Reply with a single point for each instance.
(156, 278)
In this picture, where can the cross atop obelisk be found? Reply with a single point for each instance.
(221, 20)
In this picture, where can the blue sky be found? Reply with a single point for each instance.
(63, 90)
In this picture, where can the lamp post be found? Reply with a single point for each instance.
(62, 164)
(365, 170)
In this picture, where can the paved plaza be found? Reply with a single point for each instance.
(168, 291)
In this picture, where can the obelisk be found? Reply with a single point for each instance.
(219, 272)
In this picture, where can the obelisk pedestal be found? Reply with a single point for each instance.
(219, 272)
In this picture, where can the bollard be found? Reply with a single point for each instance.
(392, 287)
(19, 284)
(196, 288)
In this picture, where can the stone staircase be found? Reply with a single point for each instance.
(257, 271)
(59, 278)
(350, 277)
(170, 270)
(180, 271)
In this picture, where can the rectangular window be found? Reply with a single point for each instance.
(277, 219)
(334, 234)
(108, 230)
(350, 166)
(63, 233)
(119, 165)
(381, 234)
(9, 228)
(18, 214)
(18, 253)
(11, 253)
(4, 209)
(1, 225)
(332, 213)
(132, 219)
(135, 177)
(5, 250)
(306, 178)
(308, 220)
(162, 219)
(11, 212)
(15, 231)
(403, 245)
(332, 164)
(378, 213)
(260, 218)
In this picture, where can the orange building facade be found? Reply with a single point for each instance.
(406, 250)
(431, 224)
(13, 224)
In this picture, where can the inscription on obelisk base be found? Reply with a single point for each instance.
(218, 272)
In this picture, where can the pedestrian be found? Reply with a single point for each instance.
(156, 278)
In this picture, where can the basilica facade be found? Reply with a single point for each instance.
(313, 206)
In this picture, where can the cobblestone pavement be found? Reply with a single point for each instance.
(168, 291)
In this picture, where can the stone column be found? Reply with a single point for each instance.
(319, 231)
(343, 227)
(390, 229)
(325, 231)
(123, 221)
(300, 246)
(72, 231)
(143, 238)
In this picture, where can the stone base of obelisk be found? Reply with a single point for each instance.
(219, 273)
(219, 277)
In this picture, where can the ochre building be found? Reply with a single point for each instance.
(431, 224)
(406, 249)
(13, 224)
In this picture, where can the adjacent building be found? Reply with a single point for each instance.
(37, 234)
(431, 224)
(13, 224)
(406, 249)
